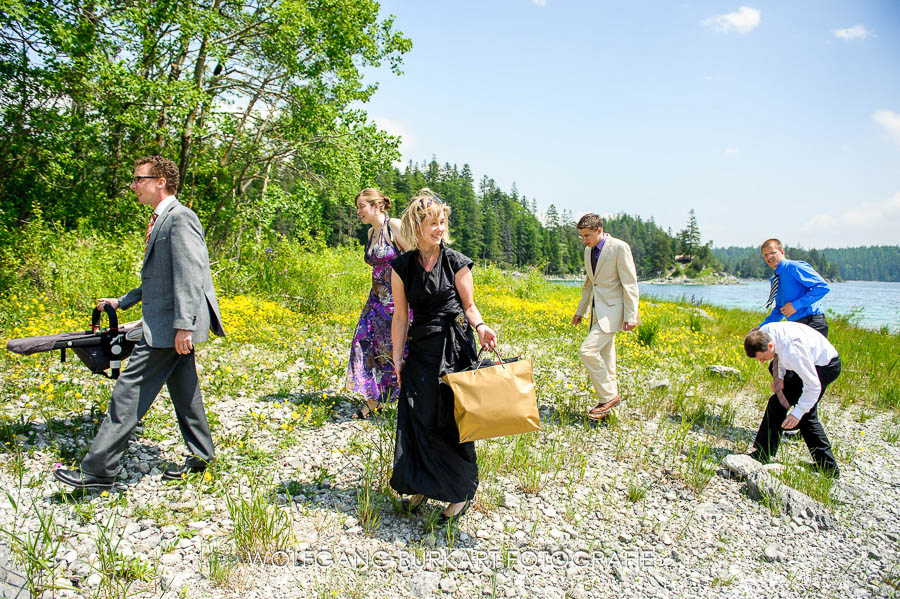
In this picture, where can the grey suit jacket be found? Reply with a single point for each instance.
(176, 288)
(612, 289)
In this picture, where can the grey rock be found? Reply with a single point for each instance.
(175, 580)
(724, 371)
(741, 465)
(874, 553)
(184, 543)
(424, 584)
(762, 484)
(774, 467)
(510, 500)
(771, 553)
(658, 383)
(702, 313)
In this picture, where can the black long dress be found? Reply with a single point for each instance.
(428, 457)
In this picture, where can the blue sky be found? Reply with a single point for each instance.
(769, 119)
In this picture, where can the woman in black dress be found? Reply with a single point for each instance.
(436, 282)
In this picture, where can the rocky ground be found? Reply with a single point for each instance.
(622, 523)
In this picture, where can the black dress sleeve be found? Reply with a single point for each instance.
(457, 260)
(400, 264)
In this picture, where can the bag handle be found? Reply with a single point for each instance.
(113, 319)
(496, 352)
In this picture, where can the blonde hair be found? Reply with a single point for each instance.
(423, 207)
(373, 197)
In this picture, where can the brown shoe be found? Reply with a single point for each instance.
(602, 408)
(598, 416)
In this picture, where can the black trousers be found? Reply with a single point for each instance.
(769, 435)
(817, 322)
(147, 371)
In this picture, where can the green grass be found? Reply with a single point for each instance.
(282, 365)
(260, 529)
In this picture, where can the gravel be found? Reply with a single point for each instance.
(579, 537)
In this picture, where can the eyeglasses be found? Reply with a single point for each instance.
(137, 178)
(432, 200)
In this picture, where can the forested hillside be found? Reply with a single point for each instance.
(747, 262)
(867, 263)
(506, 228)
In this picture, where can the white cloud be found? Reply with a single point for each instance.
(731, 151)
(857, 32)
(407, 139)
(539, 2)
(869, 223)
(745, 20)
(890, 122)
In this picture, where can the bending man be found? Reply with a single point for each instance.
(795, 400)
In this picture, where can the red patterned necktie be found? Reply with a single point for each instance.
(149, 228)
(781, 398)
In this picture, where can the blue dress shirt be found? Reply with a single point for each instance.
(801, 286)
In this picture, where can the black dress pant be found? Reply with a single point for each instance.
(769, 435)
(817, 322)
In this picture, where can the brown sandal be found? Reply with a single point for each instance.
(366, 411)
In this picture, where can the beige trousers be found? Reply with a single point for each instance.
(598, 352)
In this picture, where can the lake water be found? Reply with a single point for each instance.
(877, 303)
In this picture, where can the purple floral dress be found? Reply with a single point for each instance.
(371, 368)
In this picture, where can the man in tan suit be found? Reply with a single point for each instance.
(611, 290)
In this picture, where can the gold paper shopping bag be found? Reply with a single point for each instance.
(494, 401)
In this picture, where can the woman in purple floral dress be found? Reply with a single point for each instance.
(371, 368)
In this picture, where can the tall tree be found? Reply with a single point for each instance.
(254, 100)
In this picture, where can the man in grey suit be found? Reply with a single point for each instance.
(179, 309)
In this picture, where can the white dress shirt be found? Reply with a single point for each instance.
(801, 348)
(162, 206)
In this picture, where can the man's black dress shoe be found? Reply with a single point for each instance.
(82, 480)
(191, 466)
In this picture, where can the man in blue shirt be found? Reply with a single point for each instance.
(796, 291)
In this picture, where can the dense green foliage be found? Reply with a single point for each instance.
(747, 263)
(256, 101)
(867, 263)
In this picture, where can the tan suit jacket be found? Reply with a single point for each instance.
(612, 289)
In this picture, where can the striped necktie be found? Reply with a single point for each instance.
(149, 228)
(772, 292)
